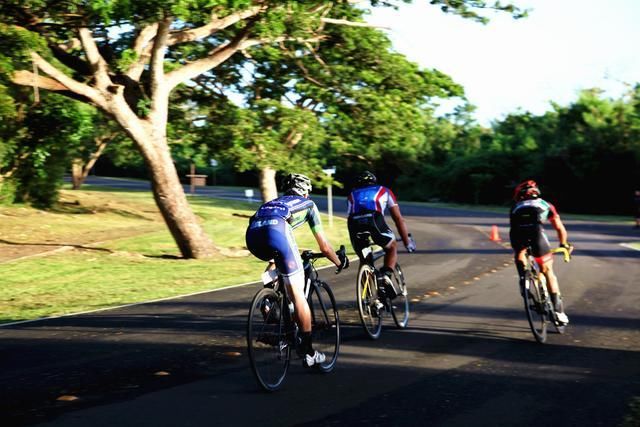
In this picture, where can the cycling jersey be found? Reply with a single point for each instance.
(296, 210)
(526, 219)
(371, 198)
(270, 232)
(366, 215)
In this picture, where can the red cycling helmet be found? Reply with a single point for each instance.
(526, 190)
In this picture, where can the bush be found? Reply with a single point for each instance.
(7, 191)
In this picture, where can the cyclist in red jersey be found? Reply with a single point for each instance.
(367, 204)
(527, 215)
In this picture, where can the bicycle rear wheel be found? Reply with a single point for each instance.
(535, 307)
(325, 324)
(268, 347)
(366, 296)
(400, 304)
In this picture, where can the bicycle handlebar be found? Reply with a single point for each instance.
(309, 255)
(412, 243)
(566, 253)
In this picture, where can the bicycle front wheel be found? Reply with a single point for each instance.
(400, 304)
(325, 324)
(366, 297)
(268, 347)
(535, 307)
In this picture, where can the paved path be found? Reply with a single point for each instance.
(467, 358)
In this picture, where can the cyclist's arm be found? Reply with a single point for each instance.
(326, 248)
(556, 222)
(323, 244)
(400, 224)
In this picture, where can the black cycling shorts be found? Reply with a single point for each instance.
(372, 222)
(534, 237)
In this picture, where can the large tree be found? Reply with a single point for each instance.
(126, 57)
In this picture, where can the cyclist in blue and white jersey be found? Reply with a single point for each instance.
(270, 238)
(367, 204)
(527, 215)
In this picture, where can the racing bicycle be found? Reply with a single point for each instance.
(373, 300)
(537, 302)
(272, 333)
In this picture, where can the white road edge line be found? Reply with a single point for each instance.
(21, 322)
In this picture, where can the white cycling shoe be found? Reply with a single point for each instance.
(562, 318)
(315, 359)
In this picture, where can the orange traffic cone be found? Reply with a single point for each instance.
(494, 234)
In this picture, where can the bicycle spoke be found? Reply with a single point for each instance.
(534, 304)
(325, 324)
(268, 347)
(366, 296)
(400, 304)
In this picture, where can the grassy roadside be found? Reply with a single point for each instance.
(113, 249)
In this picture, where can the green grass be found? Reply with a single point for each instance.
(123, 253)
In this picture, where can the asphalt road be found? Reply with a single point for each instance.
(467, 358)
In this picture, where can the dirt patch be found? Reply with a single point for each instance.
(14, 252)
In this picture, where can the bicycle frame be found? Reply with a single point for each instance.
(537, 300)
(369, 257)
(371, 300)
(311, 281)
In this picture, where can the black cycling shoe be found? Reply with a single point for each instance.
(385, 284)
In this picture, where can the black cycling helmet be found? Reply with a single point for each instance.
(366, 178)
(296, 183)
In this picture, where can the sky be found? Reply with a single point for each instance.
(508, 65)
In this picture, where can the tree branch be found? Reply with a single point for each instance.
(142, 48)
(98, 65)
(351, 23)
(216, 24)
(61, 52)
(27, 78)
(66, 81)
(215, 58)
(157, 56)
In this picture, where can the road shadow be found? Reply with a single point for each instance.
(115, 356)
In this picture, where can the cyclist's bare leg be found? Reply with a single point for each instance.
(552, 280)
(391, 255)
(554, 291)
(295, 287)
(520, 259)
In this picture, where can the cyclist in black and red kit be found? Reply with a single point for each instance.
(527, 215)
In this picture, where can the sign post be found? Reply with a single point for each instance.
(330, 171)
(195, 179)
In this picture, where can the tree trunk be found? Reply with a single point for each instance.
(168, 193)
(76, 174)
(268, 188)
(79, 170)
(172, 202)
